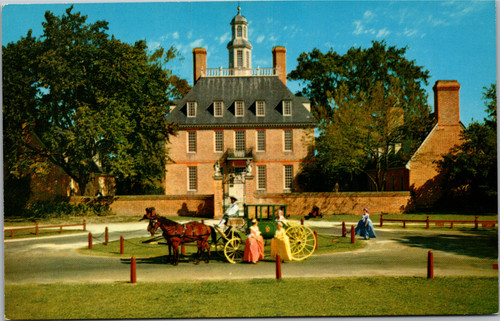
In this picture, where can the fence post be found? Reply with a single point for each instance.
(202, 221)
(301, 221)
(451, 225)
(133, 276)
(84, 225)
(344, 233)
(36, 228)
(106, 236)
(427, 222)
(430, 265)
(11, 233)
(381, 220)
(404, 224)
(60, 229)
(476, 223)
(121, 245)
(352, 234)
(278, 267)
(90, 241)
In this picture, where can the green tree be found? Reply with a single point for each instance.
(371, 108)
(470, 169)
(94, 102)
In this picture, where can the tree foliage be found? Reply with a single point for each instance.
(371, 108)
(94, 102)
(470, 169)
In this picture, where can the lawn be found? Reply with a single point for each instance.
(375, 296)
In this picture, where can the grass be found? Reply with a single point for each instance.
(375, 296)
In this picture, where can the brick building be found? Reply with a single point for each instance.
(241, 130)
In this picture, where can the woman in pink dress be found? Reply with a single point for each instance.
(254, 246)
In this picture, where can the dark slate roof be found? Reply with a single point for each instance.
(249, 89)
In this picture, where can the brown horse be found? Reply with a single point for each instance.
(177, 234)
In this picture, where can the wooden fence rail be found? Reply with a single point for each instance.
(428, 221)
(37, 228)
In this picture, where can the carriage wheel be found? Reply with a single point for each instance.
(234, 250)
(302, 241)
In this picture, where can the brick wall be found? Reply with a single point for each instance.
(177, 205)
(340, 203)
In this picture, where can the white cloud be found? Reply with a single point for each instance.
(360, 29)
(223, 38)
(368, 15)
(190, 35)
(196, 43)
(260, 39)
(153, 45)
(383, 33)
(410, 32)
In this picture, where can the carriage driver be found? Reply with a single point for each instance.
(232, 211)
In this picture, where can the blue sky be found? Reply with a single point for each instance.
(454, 40)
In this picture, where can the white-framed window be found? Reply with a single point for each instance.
(219, 141)
(248, 64)
(191, 141)
(260, 108)
(192, 178)
(261, 177)
(239, 108)
(287, 108)
(218, 108)
(239, 58)
(261, 140)
(287, 177)
(287, 140)
(244, 32)
(239, 140)
(239, 31)
(191, 109)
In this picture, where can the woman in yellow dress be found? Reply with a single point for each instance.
(280, 244)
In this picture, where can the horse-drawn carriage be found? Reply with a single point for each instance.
(231, 243)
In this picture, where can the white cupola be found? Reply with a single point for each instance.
(240, 49)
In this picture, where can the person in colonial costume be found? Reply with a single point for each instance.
(280, 244)
(254, 246)
(365, 226)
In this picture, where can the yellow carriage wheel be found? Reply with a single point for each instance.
(302, 241)
(234, 250)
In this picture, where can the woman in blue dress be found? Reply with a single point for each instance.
(365, 226)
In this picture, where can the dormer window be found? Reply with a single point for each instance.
(191, 109)
(287, 108)
(260, 108)
(218, 108)
(239, 108)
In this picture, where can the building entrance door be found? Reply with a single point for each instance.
(236, 188)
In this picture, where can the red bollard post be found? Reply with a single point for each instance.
(121, 245)
(427, 222)
(90, 241)
(106, 236)
(133, 276)
(430, 265)
(301, 221)
(36, 228)
(316, 239)
(278, 267)
(381, 220)
(476, 223)
(84, 225)
(344, 233)
(352, 234)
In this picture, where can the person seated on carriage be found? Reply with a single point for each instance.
(280, 217)
(280, 244)
(254, 245)
(232, 211)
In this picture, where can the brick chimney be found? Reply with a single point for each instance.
(279, 62)
(446, 102)
(199, 63)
